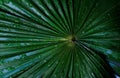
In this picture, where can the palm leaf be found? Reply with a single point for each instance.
(59, 38)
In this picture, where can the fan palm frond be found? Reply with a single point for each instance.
(59, 38)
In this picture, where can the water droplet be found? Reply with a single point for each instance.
(49, 42)
(22, 44)
(10, 77)
(56, 45)
(55, 76)
(92, 74)
(49, 65)
(109, 51)
(5, 70)
(16, 21)
(83, 32)
(39, 56)
(45, 61)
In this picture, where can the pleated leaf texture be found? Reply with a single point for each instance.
(59, 38)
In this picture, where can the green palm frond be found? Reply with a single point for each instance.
(59, 38)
